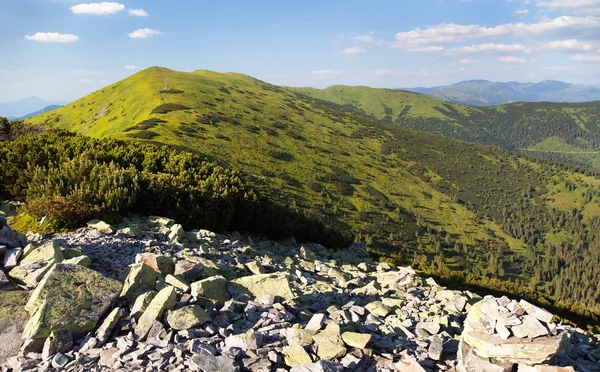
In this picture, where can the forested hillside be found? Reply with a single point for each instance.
(457, 209)
(566, 132)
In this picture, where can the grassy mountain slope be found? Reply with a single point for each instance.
(519, 126)
(437, 203)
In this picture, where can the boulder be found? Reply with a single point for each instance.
(59, 341)
(296, 355)
(36, 263)
(359, 340)
(187, 317)
(72, 297)
(11, 257)
(213, 288)
(245, 341)
(101, 227)
(320, 366)
(539, 313)
(188, 271)
(164, 300)
(205, 362)
(161, 264)
(177, 282)
(103, 332)
(141, 303)
(3, 279)
(11, 238)
(80, 260)
(276, 284)
(140, 278)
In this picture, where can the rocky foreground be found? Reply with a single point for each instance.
(148, 295)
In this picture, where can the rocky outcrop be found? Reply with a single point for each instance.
(202, 301)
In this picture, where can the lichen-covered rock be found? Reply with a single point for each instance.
(161, 264)
(276, 284)
(177, 282)
(72, 297)
(164, 300)
(36, 263)
(187, 317)
(295, 355)
(359, 340)
(140, 278)
(104, 331)
(213, 363)
(188, 271)
(141, 303)
(213, 288)
(79, 260)
(101, 226)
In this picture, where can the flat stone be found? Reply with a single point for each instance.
(330, 350)
(79, 260)
(187, 317)
(188, 271)
(3, 279)
(72, 297)
(255, 268)
(377, 308)
(161, 264)
(36, 263)
(545, 368)
(469, 361)
(59, 341)
(276, 284)
(359, 340)
(101, 227)
(296, 355)
(60, 361)
(320, 366)
(502, 331)
(436, 348)
(531, 328)
(244, 341)
(164, 300)
(541, 314)
(408, 364)
(213, 288)
(316, 322)
(213, 363)
(11, 257)
(141, 303)
(104, 331)
(140, 278)
(177, 282)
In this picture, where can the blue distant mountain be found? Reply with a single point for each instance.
(25, 107)
(488, 93)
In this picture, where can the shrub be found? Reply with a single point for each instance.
(143, 134)
(63, 212)
(168, 107)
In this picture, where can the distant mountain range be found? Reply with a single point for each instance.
(27, 107)
(488, 93)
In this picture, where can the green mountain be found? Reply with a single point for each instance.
(453, 208)
(566, 132)
(488, 93)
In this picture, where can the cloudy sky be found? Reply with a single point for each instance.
(64, 49)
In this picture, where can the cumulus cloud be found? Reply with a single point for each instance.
(450, 32)
(354, 50)
(429, 48)
(467, 60)
(103, 8)
(131, 67)
(489, 47)
(570, 44)
(368, 39)
(143, 33)
(511, 59)
(590, 7)
(138, 12)
(52, 37)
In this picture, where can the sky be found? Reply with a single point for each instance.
(61, 50)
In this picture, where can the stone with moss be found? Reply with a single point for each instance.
(295, 355)
(354, 339)
(177, 282)
(330, 350)
(101, 227)
(164, 300)
(161, 264)
(187, 317)
(80, 260)
(140, 278)
(141, 303)
(108, 325)
(72, 297)
(276, 284)
(36, 262)
(213, 288)
(255, 268)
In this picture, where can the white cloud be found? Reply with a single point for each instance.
(511, 59)
(570, 44)
(522, 11)
(587, 57)
(143, 33)
(429, 48)
(354, 50)
(52, 37)
(450, 32)
(326, 72)
(489, 47)
(368, 39)
(138, 12)
(589, 7)
(85, 81)
(98, 8)
(130, 67)
(467, 60)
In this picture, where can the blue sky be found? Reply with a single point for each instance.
(64, 49)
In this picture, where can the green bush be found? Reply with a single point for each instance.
(64, 212)
(168, 107)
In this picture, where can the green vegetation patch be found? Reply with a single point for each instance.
(168, 107)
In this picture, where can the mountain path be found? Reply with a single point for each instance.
(165, 86)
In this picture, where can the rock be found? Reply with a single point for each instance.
(104, 331)
(298, 336)
(131, 231)
(545, 368)
(80, 260)
(207, 363)
(359, 340)
(502, 331)
(9, 238)
(316, 322)
(410, 364)
(187, 317)
(213, 288)
(176, 282)
(59, 341)
(71, 252)
(141, 303)
(36, 263)
(161, 221)
(531, 328)
(164, 300)
(140, 278)
(330, 350)
(3, 279)
(101, 227)
(188, 271)
(307, 254)
(60, 361)
(276, 284)
(244, 341)
(108, 357)
(541, 314)
(11, 258)
(469, 361)
(161, 264)
(377, 308)
(436, 348)
(69, 296)
(177, 233)
(255, 268)
(260, 364)
(320, 366)
(296, 355)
